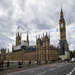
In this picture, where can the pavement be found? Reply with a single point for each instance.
(49, 69)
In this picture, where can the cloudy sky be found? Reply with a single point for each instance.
(36, 17)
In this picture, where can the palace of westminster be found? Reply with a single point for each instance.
(43, 51)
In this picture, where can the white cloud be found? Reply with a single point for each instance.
(35, 16)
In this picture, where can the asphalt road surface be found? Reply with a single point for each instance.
(54, 69)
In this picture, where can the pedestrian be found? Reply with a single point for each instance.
(29, 62)
(2, 64)
(8, 63)
(19, 63)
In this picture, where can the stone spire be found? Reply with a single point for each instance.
(61, 14)
(27, 37)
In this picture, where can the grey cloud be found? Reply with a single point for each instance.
(35, 15)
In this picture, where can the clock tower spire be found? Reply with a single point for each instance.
(63, 42)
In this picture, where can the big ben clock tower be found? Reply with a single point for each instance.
(63, 42)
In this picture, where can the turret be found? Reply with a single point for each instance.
(3, 54)
(28, 39)
(18, 39)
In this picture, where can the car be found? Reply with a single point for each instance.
(73, 60)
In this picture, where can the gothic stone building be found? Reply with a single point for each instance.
(44, 51)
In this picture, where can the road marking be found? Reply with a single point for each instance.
(42, 73)
(52, 69)
(70, 73)
(31, 71)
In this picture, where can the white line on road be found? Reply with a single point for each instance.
(42, 73)
(32, 71)
(52, 69)
(70, 73)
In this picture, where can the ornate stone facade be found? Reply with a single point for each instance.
(42, 52)
(45, 52)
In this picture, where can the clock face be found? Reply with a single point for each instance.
(61, 25)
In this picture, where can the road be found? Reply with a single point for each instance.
(54, 69)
